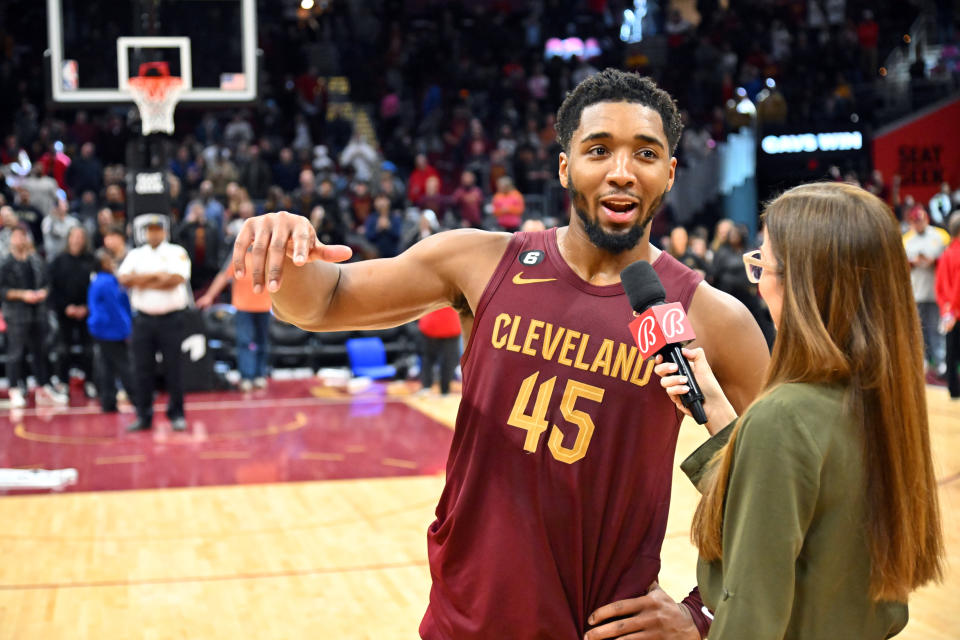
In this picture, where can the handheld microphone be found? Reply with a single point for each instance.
(661, 328)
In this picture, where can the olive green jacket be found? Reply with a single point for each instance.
(795, 562)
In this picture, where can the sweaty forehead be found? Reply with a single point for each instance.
(620, 118)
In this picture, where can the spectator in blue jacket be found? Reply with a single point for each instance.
(110, 323)
(384, 227)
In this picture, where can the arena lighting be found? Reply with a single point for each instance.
(22, 166)
(631, 29)
(810, 142)
(573, 47)
(306, 5)
(745, 105)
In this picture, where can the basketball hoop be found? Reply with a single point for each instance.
(156, 95)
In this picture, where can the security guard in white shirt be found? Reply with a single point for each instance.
(156, 274)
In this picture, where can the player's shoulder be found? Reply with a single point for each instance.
(717, 310)
(726, 329)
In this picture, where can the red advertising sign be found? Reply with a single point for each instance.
(922, 149)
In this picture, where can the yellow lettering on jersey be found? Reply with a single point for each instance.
(568, 344)
(511, 345)
(623, 363)
(532, 334)
(578, 361)
(570, 348)
(550, 346)
(641, 382)
(603, 357)
(534, 423)
(573, 391)
(500, 323)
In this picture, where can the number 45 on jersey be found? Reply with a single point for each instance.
(535, 423)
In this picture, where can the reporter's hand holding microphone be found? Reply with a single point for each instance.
(715, 404)
(662, 328)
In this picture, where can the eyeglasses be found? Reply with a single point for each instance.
(755, 266)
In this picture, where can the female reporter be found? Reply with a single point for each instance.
(819, 510)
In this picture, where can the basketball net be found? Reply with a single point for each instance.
(156, 97)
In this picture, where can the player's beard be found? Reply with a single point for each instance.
(613, 242)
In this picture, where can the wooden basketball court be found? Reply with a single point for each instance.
(293, 513)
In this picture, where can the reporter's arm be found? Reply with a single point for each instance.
(774, 473)
(733, 343)
(716, 406)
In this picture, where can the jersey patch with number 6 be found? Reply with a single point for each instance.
(531, 258)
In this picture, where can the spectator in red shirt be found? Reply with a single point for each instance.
(55, 164)
(441, 345)
(417, 186)
(947, 289)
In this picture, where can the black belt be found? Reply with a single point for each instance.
(159, 315)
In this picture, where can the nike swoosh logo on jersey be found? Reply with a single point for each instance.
(519, 279)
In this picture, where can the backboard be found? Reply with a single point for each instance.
(96, 46)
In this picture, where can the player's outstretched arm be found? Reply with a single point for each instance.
(309, 289)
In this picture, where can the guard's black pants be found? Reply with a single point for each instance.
(163, 333)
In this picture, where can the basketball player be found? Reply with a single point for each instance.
(558, 480)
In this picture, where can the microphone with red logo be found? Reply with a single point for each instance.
(661, 328)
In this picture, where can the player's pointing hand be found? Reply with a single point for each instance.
(274, 238)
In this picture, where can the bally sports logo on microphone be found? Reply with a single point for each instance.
(659, 326)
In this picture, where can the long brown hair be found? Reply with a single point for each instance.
(848, 317)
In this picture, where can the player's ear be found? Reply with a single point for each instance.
(563, 170)
(673, 173)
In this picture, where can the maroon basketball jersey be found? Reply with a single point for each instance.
(558, 480)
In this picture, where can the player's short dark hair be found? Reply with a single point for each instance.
(613, 85)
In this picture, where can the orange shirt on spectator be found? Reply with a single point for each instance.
(508, 209)
(244, 299)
